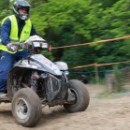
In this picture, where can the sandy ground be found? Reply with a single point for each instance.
(102, 114)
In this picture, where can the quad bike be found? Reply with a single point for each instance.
(35, 81)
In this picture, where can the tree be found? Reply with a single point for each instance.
(73, 22)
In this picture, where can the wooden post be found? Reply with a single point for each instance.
(96, 73)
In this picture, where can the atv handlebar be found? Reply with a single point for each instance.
(33, 44)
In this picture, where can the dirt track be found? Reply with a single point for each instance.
(102, 114)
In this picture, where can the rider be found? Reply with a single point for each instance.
(15, 28)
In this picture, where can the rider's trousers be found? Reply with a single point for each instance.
(7, 61)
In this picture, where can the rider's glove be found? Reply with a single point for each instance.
(12, 47)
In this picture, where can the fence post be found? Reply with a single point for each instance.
(96, 73)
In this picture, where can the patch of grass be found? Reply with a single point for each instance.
(111, 95)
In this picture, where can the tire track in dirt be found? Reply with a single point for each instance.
(102, 114)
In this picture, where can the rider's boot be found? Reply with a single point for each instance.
(3, 96)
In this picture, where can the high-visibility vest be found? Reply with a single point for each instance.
(14, 32)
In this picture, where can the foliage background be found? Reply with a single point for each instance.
(68, 22)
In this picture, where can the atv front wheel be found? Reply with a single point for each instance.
(81, 95)
(26, 107)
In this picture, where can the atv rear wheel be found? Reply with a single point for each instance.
(26, 107)
(81, 95)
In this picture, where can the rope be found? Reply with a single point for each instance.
(99, 65)
(101, 41)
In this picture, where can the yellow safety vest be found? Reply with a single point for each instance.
(14, 32)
